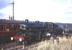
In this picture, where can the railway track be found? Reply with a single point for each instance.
(13, 46)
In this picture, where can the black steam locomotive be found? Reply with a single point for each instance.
(36, 31)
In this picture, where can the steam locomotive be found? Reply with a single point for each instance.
(27, 30)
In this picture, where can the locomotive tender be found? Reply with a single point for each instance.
(27, 30)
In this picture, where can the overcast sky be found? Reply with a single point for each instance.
(42, 10)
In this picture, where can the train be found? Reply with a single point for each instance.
(29, 31)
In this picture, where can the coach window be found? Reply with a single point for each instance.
(7, 27)
(12, 27)
(1, 27)
(15, 27)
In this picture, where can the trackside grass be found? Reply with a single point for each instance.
(63, 44)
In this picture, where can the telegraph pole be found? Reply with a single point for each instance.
(12, 17)
(13, 9)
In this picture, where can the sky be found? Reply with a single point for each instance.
(40, 10)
